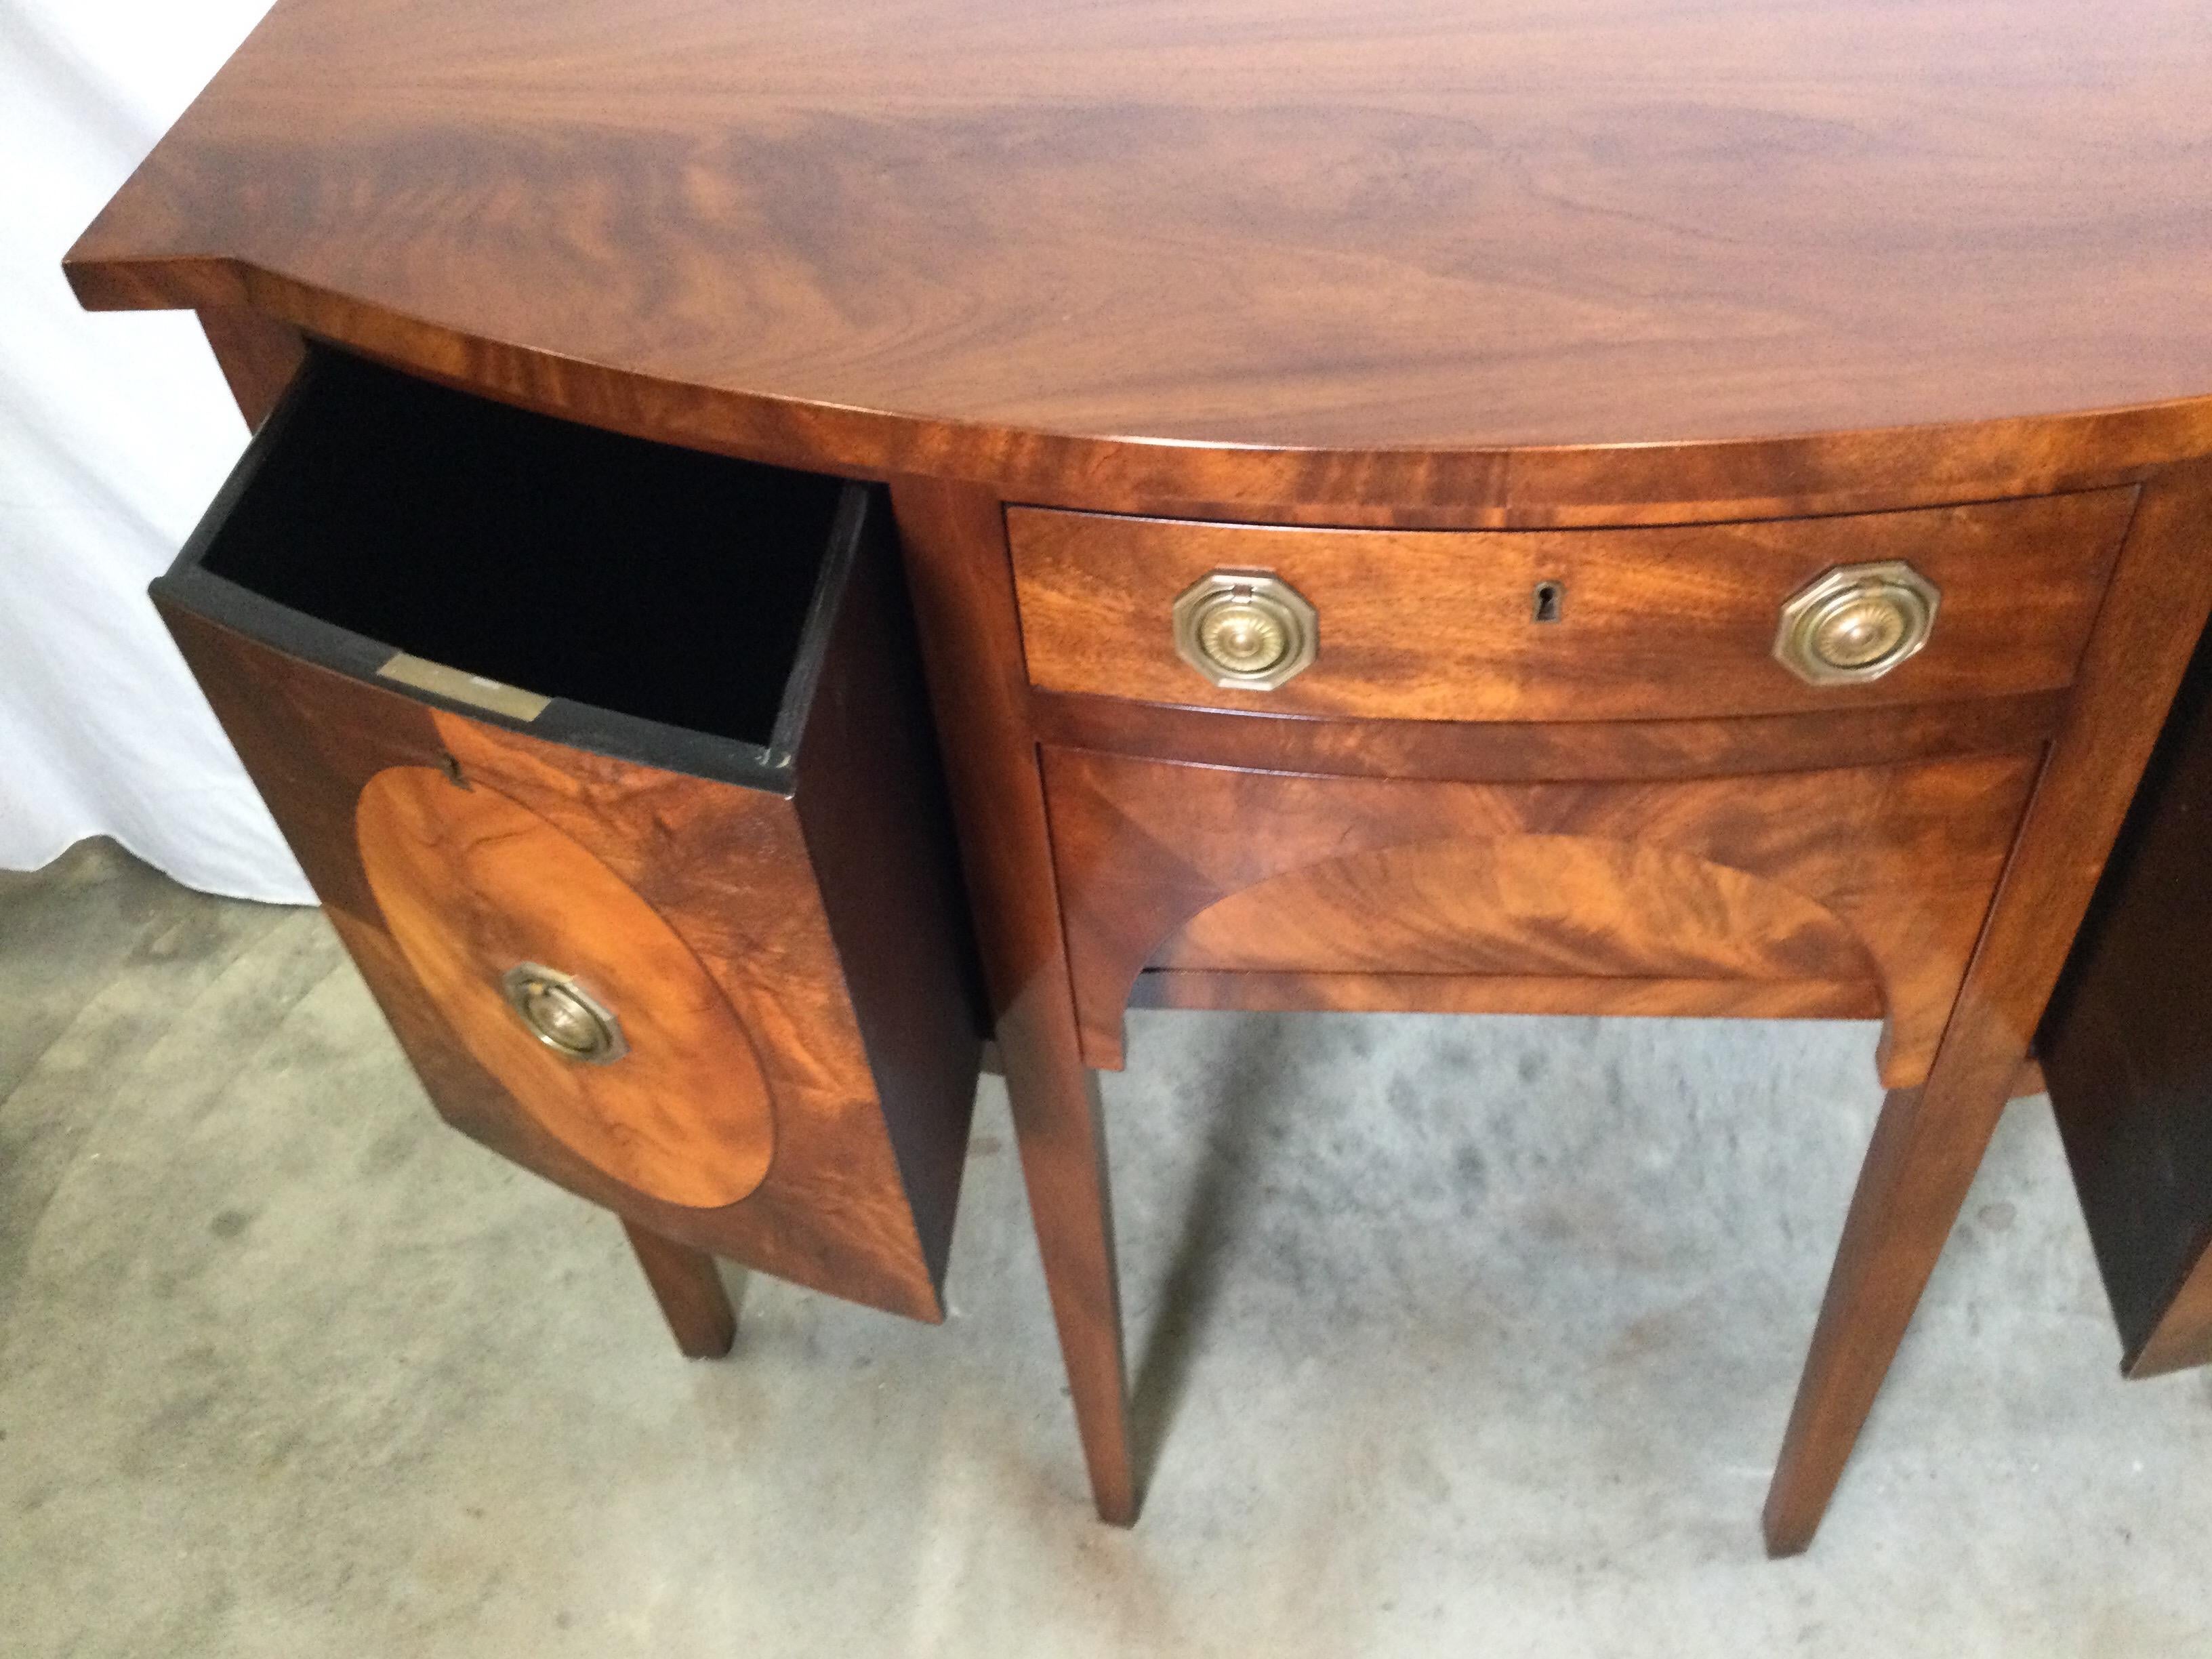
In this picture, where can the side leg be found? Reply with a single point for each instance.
(962, 583)
(1063, 1151)
(689, 1287)
(1929, 1141)
(1921, 1163)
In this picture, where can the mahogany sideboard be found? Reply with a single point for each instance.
(1598, 508)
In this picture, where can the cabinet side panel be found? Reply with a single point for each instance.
(872, 808)
(2127, 1050)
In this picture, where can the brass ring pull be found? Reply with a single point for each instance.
(1856, 622)
(563, 1015)
(1245, 630)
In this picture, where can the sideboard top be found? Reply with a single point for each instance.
(1172, 241)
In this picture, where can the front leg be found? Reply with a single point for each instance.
(1926, 1150)
(1928, 1143)
(962, 582)
(1063, 1150)
(687, 1284)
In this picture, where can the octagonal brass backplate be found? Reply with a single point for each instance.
(1856, 622)
(1247, 630)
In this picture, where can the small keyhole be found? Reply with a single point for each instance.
(1548, 597)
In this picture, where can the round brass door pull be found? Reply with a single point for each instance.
(1245, 630)
(563, 1015)
(1856, 622)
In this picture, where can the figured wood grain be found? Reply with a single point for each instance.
(1903, 858)
(725, 868)
(1258, 250)
(728, 867)
(1513, 751)
(1929, 1141)
(1533, 906)
(1653, 623)
(1413, 266)
(1370, 993)
(472, 884)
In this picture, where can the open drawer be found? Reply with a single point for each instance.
(611, 764)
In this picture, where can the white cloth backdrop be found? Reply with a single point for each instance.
(115, 430)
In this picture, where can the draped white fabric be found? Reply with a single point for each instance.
(115, 430)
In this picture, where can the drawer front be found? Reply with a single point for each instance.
(1847, 891)
(746, 1113)
(1567, 625)
(793, 1052)
(648, 866)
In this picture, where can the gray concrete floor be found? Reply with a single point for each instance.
(1450, 1336)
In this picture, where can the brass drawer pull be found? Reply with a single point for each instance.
(1245, 630)
(563, 1015)
(1856, 622)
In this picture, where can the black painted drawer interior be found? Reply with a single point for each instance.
(622, 577)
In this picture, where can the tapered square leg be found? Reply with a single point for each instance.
(962, 585)
(1929, 1142)
(1918, 1168)
(687, 1284)
(1063, 1150)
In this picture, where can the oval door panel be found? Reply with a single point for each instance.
(473, 885)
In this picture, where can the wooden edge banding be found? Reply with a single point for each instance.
(1485, 993)
(1506, 488)
(258, 355)
(1548, 751)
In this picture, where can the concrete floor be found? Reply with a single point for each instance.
(1450, 1335)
